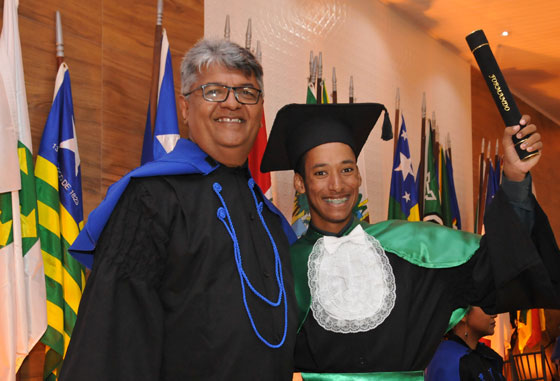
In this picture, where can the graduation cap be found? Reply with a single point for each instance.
(300, 127)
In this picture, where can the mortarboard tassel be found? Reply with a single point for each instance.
(387, 131)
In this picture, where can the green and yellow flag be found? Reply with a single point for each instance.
(59, 194)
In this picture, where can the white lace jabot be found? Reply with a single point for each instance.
(351, 282)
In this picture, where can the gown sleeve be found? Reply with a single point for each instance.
(119, 330)
(516, 266)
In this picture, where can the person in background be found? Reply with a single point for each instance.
(462, 357)
(375, 300)
(191, 278)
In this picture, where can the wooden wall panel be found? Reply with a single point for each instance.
(108, 47)
(487, 123)
(82, 40)
(128, 30)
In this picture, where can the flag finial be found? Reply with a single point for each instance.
(434, 120)
(314, 71)
(248, 35)
(311, 64)
(59, 40)
(351, 89)
(320, 69)
(226, 29)
(159, 17)
(259, 52)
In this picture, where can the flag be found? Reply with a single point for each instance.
(166, 129)
(325, 96)
(403, 199)
(432, 204)
(498, 172)
(446, 208)
(311, 99)
(59, 198)
(530, 324)
(455, 213)
(255, 158)
(300, 214)
(22, 280)
(493, 184)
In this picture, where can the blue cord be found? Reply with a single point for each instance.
(224, 216)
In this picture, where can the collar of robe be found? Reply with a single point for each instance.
(351, 282)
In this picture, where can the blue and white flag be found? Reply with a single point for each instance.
(166, 129)
(403, 198)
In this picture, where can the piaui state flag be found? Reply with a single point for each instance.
(432, 204)
(22, 280)
(59, 198)
(166, 129)
(403, 199)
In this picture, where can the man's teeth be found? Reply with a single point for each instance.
(229, 120)
(337, 200)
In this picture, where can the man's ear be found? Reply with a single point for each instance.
(359, 177)
(184, 105)
(299, 184)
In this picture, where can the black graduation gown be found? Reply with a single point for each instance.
(164, 299)
(512, 269)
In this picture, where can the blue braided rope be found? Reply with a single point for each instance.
(224, 216)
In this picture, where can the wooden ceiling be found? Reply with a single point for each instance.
(529, 56)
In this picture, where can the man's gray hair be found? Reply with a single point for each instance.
(207, 52)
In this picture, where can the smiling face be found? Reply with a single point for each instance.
(224, 130)
(331, 184)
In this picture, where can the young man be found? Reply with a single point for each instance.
(462, 357)
(375, 300)
(191, 279)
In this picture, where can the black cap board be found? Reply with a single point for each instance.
(299, 127)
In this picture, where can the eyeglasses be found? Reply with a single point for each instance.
(213, 92)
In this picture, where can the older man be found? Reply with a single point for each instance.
(191, 278)
(375, 300)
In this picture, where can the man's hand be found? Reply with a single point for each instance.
(514, 168)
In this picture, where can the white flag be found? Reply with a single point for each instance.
(22, 279)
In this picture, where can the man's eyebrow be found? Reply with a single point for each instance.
(319, 165)
(347, 161)
(247, 84)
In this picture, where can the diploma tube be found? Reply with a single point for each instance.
(478, 43)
